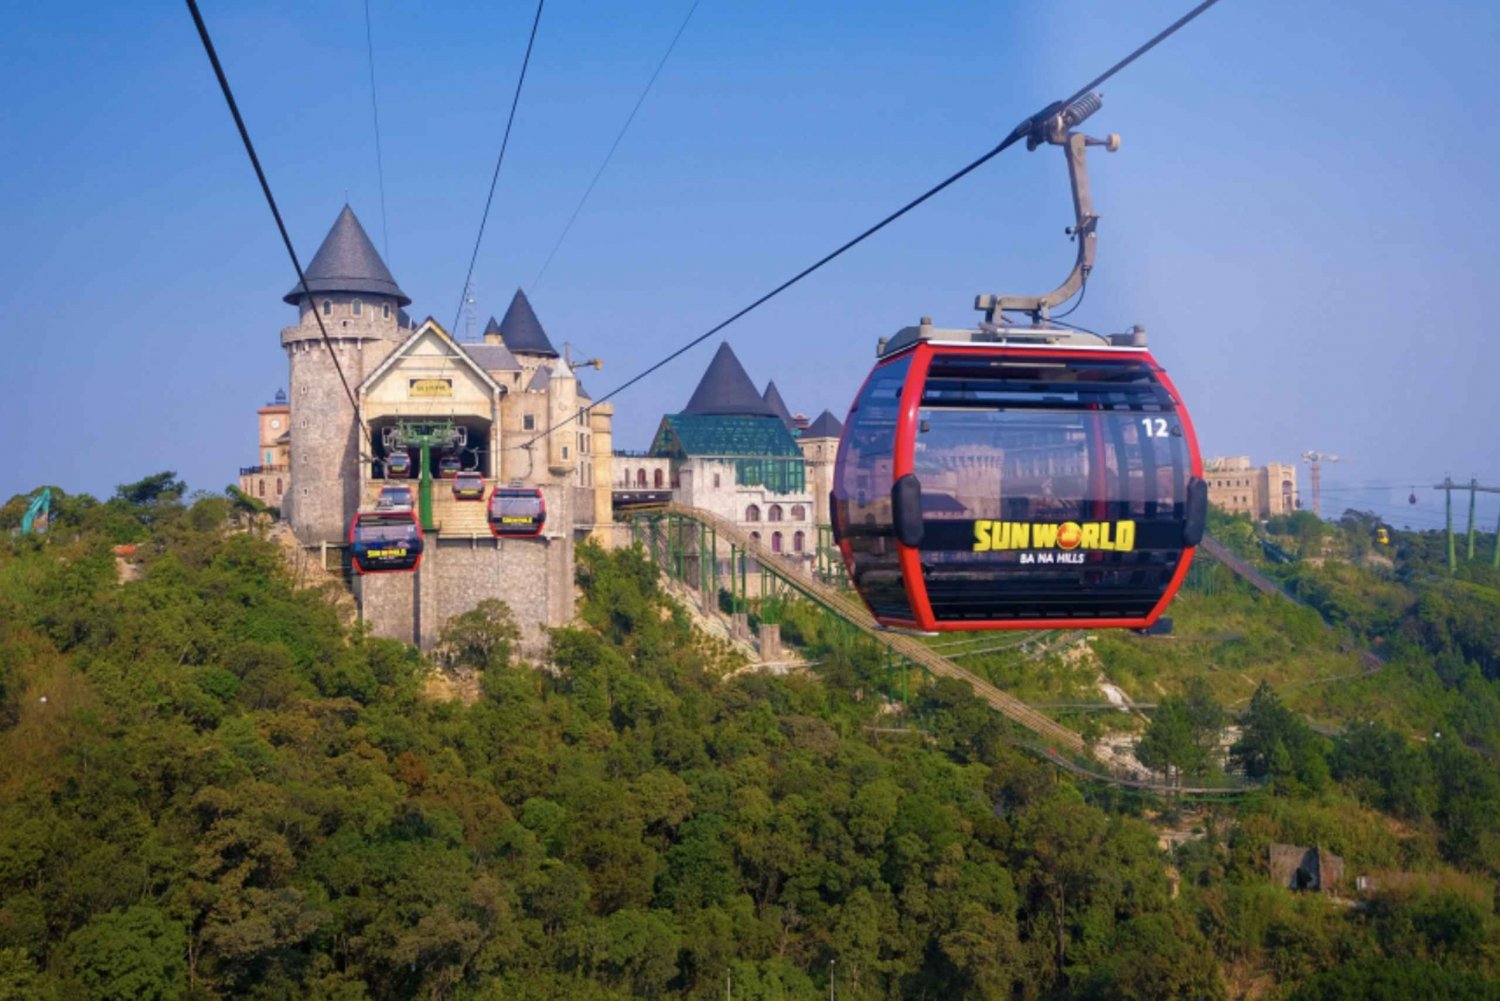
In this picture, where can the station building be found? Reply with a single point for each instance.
(517, 410)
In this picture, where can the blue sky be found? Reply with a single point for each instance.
(1301, 214)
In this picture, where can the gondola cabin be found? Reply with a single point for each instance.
(517, 512)
(1383, 536)
(385, 541)
(398, 465)
(448, 467)
(1017, 479)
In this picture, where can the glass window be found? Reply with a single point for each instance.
(775, 542)
(657, 479)
(799, 513)
(774, 514)
(799, 540)
(327, 307)
(528, 423)
(640, 477)
(359, 308)
(752, 513)
(385, 311)
(862, 490)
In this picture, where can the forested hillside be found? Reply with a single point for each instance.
(211, 788)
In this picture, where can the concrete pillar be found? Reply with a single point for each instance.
(770, 641)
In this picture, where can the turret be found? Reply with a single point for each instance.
(352, 292)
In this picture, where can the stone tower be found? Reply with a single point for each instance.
(360, 306)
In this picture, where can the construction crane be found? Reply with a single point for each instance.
(1474, 490)
(1314, 462)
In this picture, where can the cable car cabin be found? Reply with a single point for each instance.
(398, 465)
(517, 512)
(385, 541)
(448, 467)
(994, 480)
(1383, 536)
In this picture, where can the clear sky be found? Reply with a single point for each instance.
(1302, 213)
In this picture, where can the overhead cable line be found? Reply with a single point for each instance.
(265, 187)
(484, 218)
(1028, 127)
(385, 236)
(613, 146)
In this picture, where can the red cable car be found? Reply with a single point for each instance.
(385, 541)
(398, 466)
(1023, 482)
(517, 512)
(1020, 477)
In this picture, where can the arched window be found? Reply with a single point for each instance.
(640, 477)
(799, 513)
(775, 542)
(752, 513)
(327, 307)
(278, 486)
(359, 308)
(262, 487)
(657, 479)
(385, 311)
(799, 541)
(754, 536)
(774, 514)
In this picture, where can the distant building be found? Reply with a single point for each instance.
(266, 481)
(732, 451)
(1299, 868)
(1262, 492)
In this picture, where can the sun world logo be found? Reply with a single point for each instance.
(1109, 536)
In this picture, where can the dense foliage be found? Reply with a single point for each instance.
(211, 787)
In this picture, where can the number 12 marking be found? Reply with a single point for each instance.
(1156, 427)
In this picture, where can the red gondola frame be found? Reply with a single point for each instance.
(904, 461)
(386, 515)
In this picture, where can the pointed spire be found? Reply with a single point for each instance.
(726, 389)
(348, 262)
(825, 426)
(522, 331)
(491, 328)
(777, 404)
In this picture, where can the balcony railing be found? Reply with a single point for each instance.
(253, 470)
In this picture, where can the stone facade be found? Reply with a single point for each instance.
(819, 454)
(267, 480)
(505, 403)
(709, 483)
(1262, 492)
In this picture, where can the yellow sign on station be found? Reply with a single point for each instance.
(429, 387)
(1116, 536)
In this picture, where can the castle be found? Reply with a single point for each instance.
(501, 400)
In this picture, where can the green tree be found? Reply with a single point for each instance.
(135, 954)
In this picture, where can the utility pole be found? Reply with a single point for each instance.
(1473, 492)
(1447, 488)
(1314, 462)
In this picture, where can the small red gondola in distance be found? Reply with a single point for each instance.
(385, 541)
(516, 512)
(1020, 476)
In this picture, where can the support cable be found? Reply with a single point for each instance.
(385, 235)
(265, 187)
(613, 146)
(1028, 127)
(489, 199)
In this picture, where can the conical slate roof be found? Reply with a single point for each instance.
(726, 389)
(777, 404)
(491, 328)
(522, 331)
(826, 426)
(348, 262)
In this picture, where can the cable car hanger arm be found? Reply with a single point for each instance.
(1052, 127)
